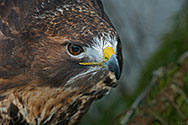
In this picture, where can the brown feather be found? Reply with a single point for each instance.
(35, 65)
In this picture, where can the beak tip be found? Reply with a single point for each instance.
(113, 66)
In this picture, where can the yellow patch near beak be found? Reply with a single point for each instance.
(107, 53)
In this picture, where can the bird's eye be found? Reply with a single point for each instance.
(75, 49)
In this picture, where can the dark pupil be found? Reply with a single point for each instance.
(75, 48)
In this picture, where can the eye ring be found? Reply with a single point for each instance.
(75, 49)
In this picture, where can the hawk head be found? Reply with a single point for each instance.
(64, 54)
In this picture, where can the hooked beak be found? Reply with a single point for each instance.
(110, 62)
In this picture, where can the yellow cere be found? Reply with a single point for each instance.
(107, 52)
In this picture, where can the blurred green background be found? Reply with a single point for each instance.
(154, 33)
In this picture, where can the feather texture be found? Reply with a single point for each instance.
(40, 83)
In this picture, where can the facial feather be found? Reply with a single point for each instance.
(40, 80)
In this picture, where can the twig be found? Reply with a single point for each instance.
(177, 109)
(118, 117)
(142, 96)
(161, 120)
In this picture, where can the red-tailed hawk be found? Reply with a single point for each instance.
(56, 57)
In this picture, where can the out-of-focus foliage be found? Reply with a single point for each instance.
(168, 100)
(173, 45)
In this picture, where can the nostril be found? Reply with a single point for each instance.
(105, 59)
